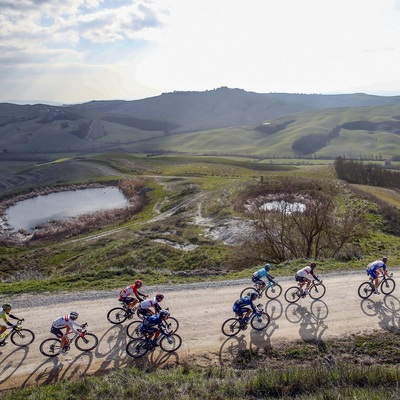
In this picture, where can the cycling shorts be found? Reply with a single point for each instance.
(56, 331)
(372, 274)
(257, 280)
(240, 310)
(300, 278)
(127, 300)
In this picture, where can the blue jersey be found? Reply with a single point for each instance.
(244, 302)
(374, 266)
(152, 321)
(261, 273)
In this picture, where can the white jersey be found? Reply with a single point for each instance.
(306, 272)
(148, 303)
(66, 320)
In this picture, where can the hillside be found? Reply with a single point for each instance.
(220, 121)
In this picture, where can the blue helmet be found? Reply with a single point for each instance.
(267, 267)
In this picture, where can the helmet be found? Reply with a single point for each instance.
(267, 267)
(159, 297)
(253, 295)
(6, 306)
(74, 314)
(138, 282)
(385, 259)
(313, 265)
(164, 313)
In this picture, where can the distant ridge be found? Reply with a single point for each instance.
(225, 107)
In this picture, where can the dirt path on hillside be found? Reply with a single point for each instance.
(201, 310)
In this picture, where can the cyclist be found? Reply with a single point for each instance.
(375, 268)
(262, 273)
(131, 295)
(67, 321)
(240, 307)
(145, 305)
(153, 325)
(304, 275)
(4, 315)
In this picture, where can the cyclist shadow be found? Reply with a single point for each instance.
(8, 366)
(387, 311)
(311, 322)
(274, 309)
(154, 358)
(112, 347)
(232, 349)
(262, 339)
(45, 373)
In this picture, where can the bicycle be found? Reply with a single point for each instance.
(232, 326)
(272, 290)
(387, 285)
(118, 315)
(18, 336)
(168, 342)
(133, 329)
(316, 291)
(83, 341)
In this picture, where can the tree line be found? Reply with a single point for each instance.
(358, 172)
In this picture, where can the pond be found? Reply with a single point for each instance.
(27, 214)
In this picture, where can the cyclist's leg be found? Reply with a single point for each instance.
(59, 333)
(3, 328)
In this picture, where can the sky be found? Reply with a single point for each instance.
(73, 51)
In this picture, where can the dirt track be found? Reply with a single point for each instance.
(201, 310)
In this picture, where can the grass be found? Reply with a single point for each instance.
(361, 367)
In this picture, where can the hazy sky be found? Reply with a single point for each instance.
(73, 51)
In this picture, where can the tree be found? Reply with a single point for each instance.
(298, 223)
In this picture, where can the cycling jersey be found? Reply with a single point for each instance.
(3, 316)
(307, 273)
(152, 324)
(130, 291)
(150, 303)
(66, 320)
(240, 305)
(374, 266)
(261, 273)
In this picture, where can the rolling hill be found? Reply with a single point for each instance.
(220, 121)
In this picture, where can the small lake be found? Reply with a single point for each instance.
(29, 213)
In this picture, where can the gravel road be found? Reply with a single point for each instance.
(201, 309)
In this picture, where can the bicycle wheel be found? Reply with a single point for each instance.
(292, 294)
(117, 315)
(133, 330)
(22, 337)
(260, 323)
(273, 292)
(294, 313)
(317, 291)
(246, 291)
(137, 348)
(319, 309)
(50, 347)
(170, 343)
(365, 290)
(171, 324)
(231, 327)
(87, 342)
(387, 286)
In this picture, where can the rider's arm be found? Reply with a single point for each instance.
(72, 325)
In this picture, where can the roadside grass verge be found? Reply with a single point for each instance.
(336, 369)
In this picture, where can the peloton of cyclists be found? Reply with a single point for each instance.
(375, 269)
